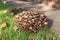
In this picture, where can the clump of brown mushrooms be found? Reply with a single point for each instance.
(31, 21)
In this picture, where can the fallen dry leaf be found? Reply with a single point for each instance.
(3, 25)
(6, 11)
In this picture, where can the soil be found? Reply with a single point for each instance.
(55, 16)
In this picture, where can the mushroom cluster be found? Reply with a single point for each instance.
(31, 21)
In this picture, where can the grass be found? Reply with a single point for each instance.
(8, 32)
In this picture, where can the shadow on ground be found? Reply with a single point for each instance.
(50, 23)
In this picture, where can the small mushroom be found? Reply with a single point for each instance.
(45, 23)
(30, 27)
(42, 15)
